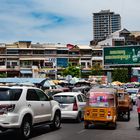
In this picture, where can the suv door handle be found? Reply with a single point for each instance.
(29, 105)
(42, 104)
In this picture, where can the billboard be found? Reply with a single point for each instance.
(127, 55)
(62, 62)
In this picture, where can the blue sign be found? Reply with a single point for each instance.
(62, 62)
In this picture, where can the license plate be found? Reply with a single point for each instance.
(62, 106)
(109, 117)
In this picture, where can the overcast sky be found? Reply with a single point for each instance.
(60, 21)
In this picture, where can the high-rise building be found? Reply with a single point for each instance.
(105, 23)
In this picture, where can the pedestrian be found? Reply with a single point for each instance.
(138, 108)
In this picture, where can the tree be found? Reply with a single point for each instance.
(3, 75)
(120, 74)
(97, 70)
(74, 71)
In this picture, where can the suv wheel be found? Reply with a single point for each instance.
(79, 117)
(56, 121)
(26, 127)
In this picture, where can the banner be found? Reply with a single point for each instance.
(128, 55)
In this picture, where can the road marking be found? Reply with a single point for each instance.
(82, 131)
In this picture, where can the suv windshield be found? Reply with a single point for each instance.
(7, 94)
(65, 99)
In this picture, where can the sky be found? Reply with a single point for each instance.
(60, 21)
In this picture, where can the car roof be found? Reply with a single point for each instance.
(132, 88)
(68, 93)
(107, 90)
(18, 87)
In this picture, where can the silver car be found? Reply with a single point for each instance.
(72, 104)
(133, 93)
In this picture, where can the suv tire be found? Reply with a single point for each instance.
(79, 117)
(56, 121)
(26, 128)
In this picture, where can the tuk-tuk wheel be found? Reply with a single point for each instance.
(113, 125)
(86, 125)
(128, 115)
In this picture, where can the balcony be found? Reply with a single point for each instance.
(13, 67)
(2, 67)
(25, 66)
(97, 58)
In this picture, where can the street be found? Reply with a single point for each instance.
(75, 131)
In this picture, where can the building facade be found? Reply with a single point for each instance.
(105, 23)
(24, 59)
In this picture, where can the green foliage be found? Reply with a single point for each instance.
(3, 75)
(120, 74)
(72, 70)
(97, 70)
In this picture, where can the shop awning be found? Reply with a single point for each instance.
(25, 71)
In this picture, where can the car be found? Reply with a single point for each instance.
(83, 89)
(64, 89)
(23, 107)
(133, 93)
(72, 104)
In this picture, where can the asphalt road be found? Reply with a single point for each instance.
(126, 130)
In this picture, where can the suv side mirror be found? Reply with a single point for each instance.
(51, 98)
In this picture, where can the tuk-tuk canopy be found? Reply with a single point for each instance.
(102, 97)
(106, 95)
(103, 90)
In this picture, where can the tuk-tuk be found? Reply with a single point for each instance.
(101, 108)
(125, 105)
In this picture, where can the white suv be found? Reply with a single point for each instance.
(22, 107)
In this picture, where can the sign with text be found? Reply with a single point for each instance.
(127, 55)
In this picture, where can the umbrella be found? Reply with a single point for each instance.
(74, 80)
(117, 83)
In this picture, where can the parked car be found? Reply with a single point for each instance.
(72, 104)
(22, 107)
(133, 93)
(64, 89)
(83, 89)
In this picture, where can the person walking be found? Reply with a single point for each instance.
(138, 108)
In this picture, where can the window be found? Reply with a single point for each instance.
(84, 98)
(38, 51)
(65, 99)
(62, 51)
(7, 94)
(80, 98)
(41, 95)
(49, 64)
(50, 52)
(2, 63)
(31, 95)
(83, 64)
(12, 51)
(14, 63)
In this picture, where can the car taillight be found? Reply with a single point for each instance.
(75, 106)
(87, 113)
(6, 108)
(109, 113)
